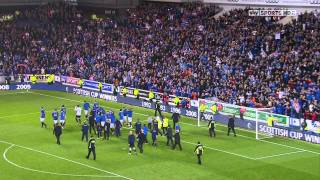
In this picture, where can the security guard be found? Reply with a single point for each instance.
(169, 136)
(165, 125)
(151, 95)
(157, 109)
(80, 83)
(177, 140)
(92, 148)
(214, 111)
(100, 86)
(33, 79)
(176, 101)
(136, 93)
(270, 120)
(211, 128)
(202, 109)
(124, 91)
(199, 151)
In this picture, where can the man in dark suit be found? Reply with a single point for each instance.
(231, 125)
(57, 131)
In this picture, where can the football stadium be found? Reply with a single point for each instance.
(160, 89)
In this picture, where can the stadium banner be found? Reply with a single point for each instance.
(70, 81)
(248, 113)
(282, 132)
(94, 85)
(309, 135)
(144, 94)
(94, 94)
(286, 3)
(41, 78)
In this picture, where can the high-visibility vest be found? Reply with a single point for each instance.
(202, 108)
(270, 120)
(165, 122)
(33, 79)
(151, 95)
(124, 90)
(159, 124)
(100, 85)
(176, 100)
(80, 82)
(214, 109)
(136, 92)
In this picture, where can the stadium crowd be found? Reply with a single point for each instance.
(178, 49)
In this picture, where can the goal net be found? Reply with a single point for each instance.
(260, 123)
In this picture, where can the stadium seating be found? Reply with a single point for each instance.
(180, 49)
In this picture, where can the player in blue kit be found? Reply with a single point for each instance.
(112, 120)
(55, 117)
(125, 115)
(43, 117)
(62, 118)
(121, 116)
(129, 114)
(86, 107)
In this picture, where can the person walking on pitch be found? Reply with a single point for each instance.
(169, 136)
(199, 151)
(43, 118)
(131, 140)
(231, 125)
(57, 131)
(85, 130)
(177, 140)
(92, 148)
(212, 131)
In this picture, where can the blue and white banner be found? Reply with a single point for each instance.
(87, 84)
(94, 85)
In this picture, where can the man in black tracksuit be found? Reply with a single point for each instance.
(107, 130)
(57, 131)
(177, 141)
(175, 118)
(141, 140)
(231, 125)
(117, 129)
(92, 122)
(85, 130)
(211, 128)
(157, 109)
(169, 136)
(92, 148)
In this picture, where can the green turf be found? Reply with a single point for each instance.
(225, 157)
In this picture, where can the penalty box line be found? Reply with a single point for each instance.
(48, 172)
(59, 157)
(283, 145)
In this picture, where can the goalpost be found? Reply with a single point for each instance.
(251, 119)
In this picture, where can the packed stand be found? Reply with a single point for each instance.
(176, 49)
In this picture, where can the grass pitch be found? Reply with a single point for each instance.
(29, 151)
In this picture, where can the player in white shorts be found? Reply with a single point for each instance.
(78, 114)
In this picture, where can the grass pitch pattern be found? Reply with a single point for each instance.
(29, 151)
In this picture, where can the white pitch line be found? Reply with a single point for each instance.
(215, 149)
(292, 147)
(69, 160)
(15, 93)
(48, 172)
(277, 155)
